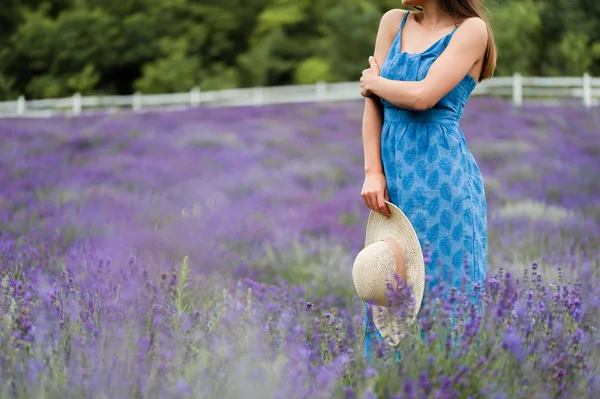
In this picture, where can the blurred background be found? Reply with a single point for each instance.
(261, 198)
(57, 48)
(286, 165)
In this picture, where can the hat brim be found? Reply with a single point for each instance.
(392, 327)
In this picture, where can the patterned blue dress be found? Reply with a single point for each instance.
(433, 178)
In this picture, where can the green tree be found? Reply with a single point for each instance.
(516, 26)
(55, 48)
(284, 34)
(348, 32)
(175, 71)
(312, 70)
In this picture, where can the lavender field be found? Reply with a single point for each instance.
(207, 253)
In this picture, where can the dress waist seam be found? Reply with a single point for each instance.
(432, 121)
(433, 115)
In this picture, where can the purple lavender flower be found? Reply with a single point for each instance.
(513, 344)
(268, 303)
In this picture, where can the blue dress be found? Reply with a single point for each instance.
(433, 178)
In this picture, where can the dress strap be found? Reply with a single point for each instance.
(454, 30)
(404, 19)
(395, 47)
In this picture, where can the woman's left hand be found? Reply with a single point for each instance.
(368, 76)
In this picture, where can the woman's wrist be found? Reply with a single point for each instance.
(373, 170)
(375, 86)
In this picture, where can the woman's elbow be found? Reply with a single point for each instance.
(423, 100)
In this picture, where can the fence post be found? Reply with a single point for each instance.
(136, 101)
(195, 96)
(77, 103)
(587, 90)
(21, 105)
(517, 89)
(321, 89)
(258, 96)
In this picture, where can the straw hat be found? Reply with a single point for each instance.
(391, 247)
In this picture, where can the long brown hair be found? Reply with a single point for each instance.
(469, 9)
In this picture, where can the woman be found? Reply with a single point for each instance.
(415, 153)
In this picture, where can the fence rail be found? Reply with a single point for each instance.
(516, 87)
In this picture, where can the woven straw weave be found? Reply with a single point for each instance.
(375, 266)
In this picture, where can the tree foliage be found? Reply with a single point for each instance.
(56, 48)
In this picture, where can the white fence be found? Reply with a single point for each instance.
(517, 87)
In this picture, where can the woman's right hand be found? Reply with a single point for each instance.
(375, 193)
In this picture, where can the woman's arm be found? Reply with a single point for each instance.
(373, 113)
(466, 47)
(373, 191)
(371, 135)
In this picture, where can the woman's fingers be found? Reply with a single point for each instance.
(375, 195)
(376, 203)
(380, 202)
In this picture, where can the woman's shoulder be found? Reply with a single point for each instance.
(395, 13)
(471, 35)
(392, 19)
(474, 25)
(475, 29)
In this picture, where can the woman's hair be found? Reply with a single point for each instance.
(470, 9)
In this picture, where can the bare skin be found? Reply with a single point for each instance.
(463, 55)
